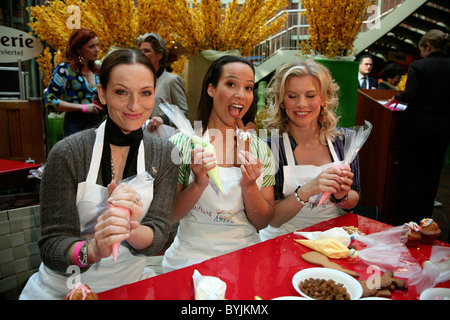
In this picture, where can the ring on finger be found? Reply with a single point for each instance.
(137, 199)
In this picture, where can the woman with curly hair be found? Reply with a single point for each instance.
(302, 101)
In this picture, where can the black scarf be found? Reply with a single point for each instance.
(115, 136)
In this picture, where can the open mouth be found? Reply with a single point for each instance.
(235, 110)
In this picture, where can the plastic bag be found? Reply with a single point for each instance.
(435, 270)
(208, 288)
(355, 138)
(179, 119)
(386, 249)
(395, 257)
(142, 184)
(334, 233)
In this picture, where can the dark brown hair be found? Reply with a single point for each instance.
(123, 56)
(212, 76)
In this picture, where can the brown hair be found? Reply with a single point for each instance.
(77, 40)
(123, 56)
(212, 76)
(437, 39)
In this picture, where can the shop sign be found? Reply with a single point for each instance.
(16, 44)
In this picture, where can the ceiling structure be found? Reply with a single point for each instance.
(402, 40)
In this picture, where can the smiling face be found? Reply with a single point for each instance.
(302, 101)
(233, 95)
(90, 50)
(130, 95)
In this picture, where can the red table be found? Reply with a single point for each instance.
(9, 166)
(265, 269)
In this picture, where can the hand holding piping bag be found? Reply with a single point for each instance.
(354, 140)
(128, 197)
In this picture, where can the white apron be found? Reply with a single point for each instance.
(104, 275)
(295, 175)
(216, 225)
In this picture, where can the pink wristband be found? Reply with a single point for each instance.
(84, 108)
(76, 254)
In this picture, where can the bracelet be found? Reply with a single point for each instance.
(84, 108)
(304, 203)
(76, 254)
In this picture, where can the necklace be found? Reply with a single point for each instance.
(113, 173)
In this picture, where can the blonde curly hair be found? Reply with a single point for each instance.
(275, 93)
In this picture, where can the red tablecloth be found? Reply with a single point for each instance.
(265, 269)
(8, 166)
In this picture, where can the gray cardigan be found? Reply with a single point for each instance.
(67, 166)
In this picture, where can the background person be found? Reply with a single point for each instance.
(80, 180)
(391, 76)
(170, 86)
(365, 81)
(74, 84)
(424, 129)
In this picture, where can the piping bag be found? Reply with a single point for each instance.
(179, 119)
(355, 138)
(140, 183)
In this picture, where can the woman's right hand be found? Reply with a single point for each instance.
(201, 163)
(93, 108)
(327, 181)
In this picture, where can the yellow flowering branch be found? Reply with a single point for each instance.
(334, 25)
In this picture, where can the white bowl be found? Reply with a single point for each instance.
(433, 293)
(352, 285)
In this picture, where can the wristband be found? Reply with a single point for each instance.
(84, 108)
(76, 254)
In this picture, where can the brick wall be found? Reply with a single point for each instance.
(20, 230)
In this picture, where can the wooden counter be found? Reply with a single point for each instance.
(22, 130)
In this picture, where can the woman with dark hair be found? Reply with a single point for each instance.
(81, 178)
(74, 83)
(214, 223)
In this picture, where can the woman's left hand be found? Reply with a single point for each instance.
(345, 181)
(251, 168)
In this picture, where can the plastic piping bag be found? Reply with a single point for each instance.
(179, 119)
(140, 183)
(354, 140)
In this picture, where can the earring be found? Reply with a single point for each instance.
(81, 59)
(282, 105)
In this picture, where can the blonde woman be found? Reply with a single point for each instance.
(302, 101)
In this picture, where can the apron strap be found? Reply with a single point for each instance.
(96, 154)
(141, 158)
(288, 150)
(333, 151)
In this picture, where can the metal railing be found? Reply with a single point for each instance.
(296, 30)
